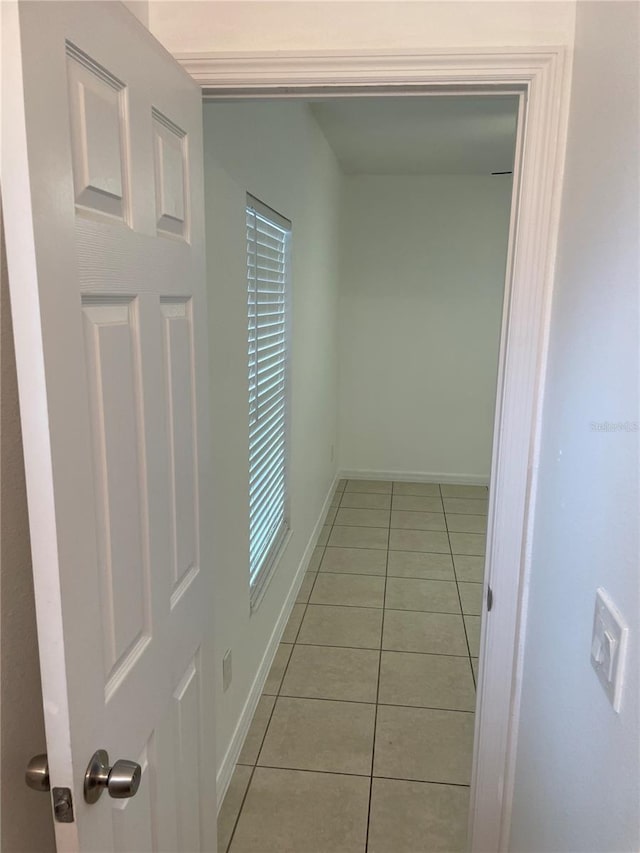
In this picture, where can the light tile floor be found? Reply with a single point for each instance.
(362, 740)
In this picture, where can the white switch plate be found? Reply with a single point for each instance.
(609, 646)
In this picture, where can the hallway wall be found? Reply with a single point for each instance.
(422, 283)
(577, 784)
(276, 152)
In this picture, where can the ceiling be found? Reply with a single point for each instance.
(421, 135)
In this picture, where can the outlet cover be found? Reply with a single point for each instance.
(227, 670)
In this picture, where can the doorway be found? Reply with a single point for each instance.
(399, 212)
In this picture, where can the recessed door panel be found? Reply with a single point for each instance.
(113, 378)
(179, 382)
(171, 165)
(99, 130)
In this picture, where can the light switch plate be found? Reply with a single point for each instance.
(609, 646)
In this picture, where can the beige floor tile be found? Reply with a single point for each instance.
(426, 681)
(231, 805)
(288, 811)
(317, 734)
(325, 672)
(450, 490)
(408, 520)
(355, 627)
(323, 538)
(419, 540)
(363, 517)
(431, 633)
(424, 744)
(407, 817)
(474, 664)
(349, 590)
(366, 500)
(341, 486)
(472, 624)
(464, 506)
(331, 515)
(354, 561)
(415, 564)
(276, 673)
(372, 486)
(469, 568)
(470, 544)
(253, 741)
(423, 490)
(335, 500)
(466, 523)
(416, 503)
(291, 630)
(305, 588)
(471, 596)
(359, 537)
(416, 594)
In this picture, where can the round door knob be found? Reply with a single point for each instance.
(121, 781)
(37, 773)
(124, 779)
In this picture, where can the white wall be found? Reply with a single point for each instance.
(192, 26)
(422, 282)
(577, 773)
(276, 152)
(27, 824)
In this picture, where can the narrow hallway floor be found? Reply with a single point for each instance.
(363, 737)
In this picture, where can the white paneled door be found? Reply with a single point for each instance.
(103, 197)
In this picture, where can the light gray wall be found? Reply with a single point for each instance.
(422, 283)
(276, 152)
(26, 816)
(577, 772)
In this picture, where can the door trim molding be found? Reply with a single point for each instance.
(542, 76)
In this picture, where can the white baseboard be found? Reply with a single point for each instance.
(242, 727)
(416, 477)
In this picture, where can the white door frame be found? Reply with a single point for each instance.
(542, 76)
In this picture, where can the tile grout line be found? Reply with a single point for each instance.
(464, 623)
(362, 702)
(360, 775)
(371, 649)
(375, 718)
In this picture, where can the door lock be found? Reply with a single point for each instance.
(37, 773)
(121, 781)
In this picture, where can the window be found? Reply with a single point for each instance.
(268, 236)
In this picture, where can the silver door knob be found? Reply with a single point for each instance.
(121, 781)
(37, 773)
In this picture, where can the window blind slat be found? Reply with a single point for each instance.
(267, 263)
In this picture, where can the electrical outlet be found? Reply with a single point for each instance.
(227, 670)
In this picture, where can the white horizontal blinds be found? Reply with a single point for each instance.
(267, 260)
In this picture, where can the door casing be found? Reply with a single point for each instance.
(541, 77)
